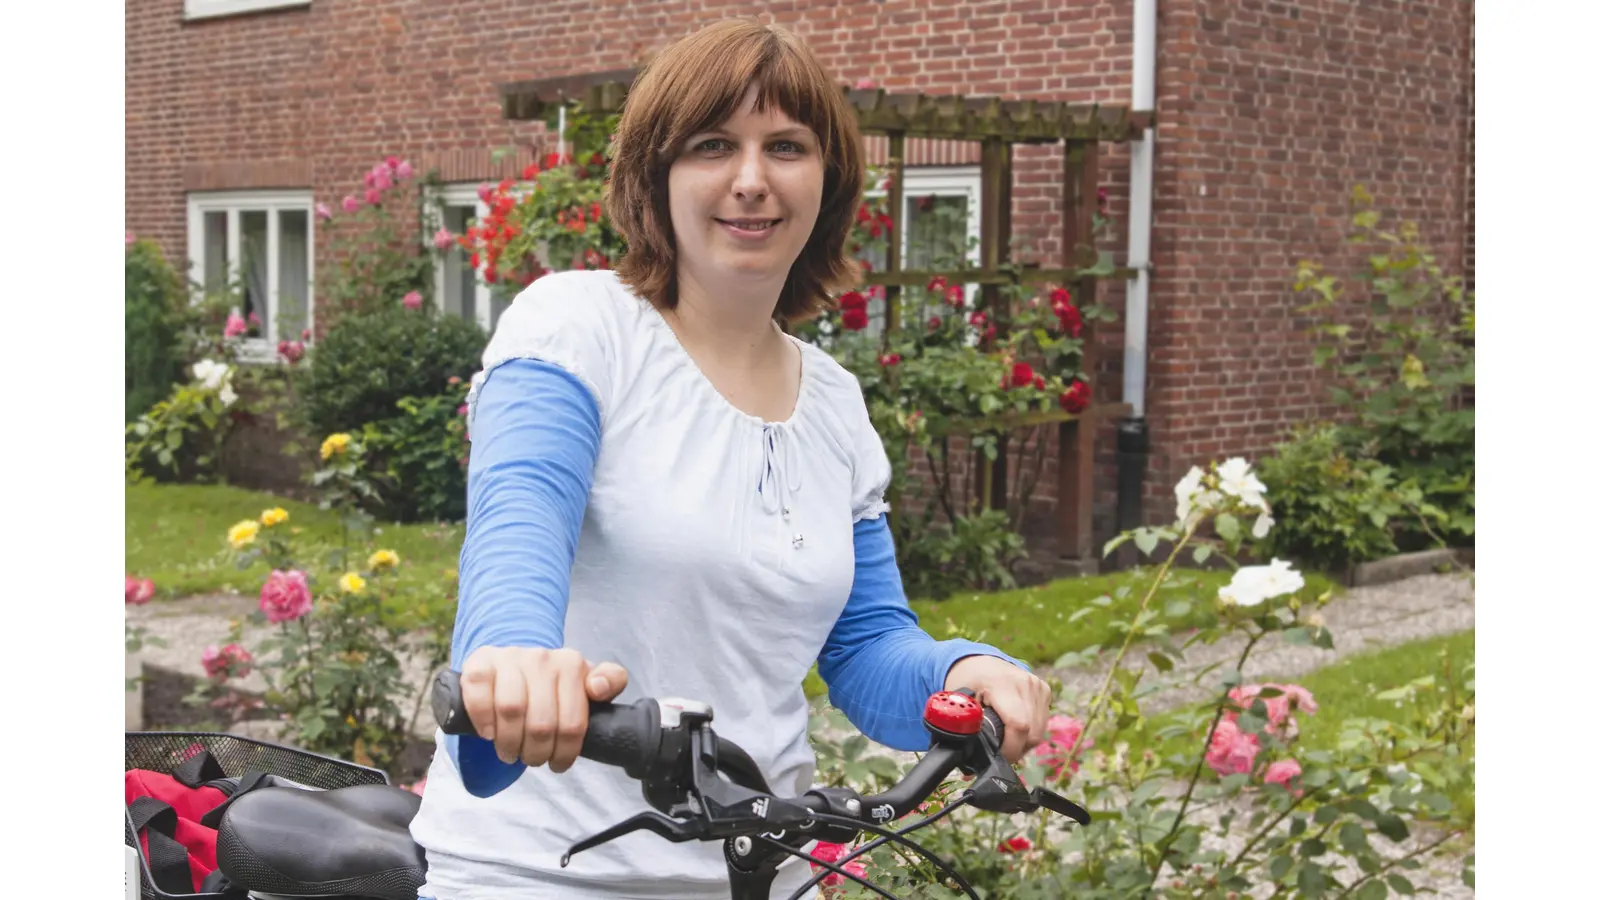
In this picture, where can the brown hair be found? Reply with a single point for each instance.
(695, 84)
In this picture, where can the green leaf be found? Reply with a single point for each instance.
(1325, 814)
(1312, 882)
(1161, 662)
(1146, 541)
(1352, 837)
(1279, 867)
(1371, 890)
(1393, 827)
(1202, 552)
(1228, 527)
(1401, 884)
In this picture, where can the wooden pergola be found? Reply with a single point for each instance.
(998, 125)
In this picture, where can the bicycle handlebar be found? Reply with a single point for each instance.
(669, 747)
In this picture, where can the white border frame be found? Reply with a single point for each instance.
(262, 349)
(213, 9)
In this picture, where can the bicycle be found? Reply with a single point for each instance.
(701, 787)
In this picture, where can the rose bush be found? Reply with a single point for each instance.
(346, 628)
(1214, 801)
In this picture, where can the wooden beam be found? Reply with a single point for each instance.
(897, 220)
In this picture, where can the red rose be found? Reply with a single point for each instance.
(1015, 845)
(852, 300)
(978, 319)
(889, 359)
(597, 159)
(530, 172)
(1038, 382)
(1060, 297)
(854, 319)
(1075, 399)
(934, 322)
(551, 160)
(954, 295)
(863, 215)
(1021, 375)
(937, 284)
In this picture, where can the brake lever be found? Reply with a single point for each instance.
(671, 829)
(998, 788)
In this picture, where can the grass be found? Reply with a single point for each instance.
(177, 536)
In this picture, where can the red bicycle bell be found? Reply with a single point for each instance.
(952, 713)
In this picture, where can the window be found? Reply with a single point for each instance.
(259, 243)
(458, 288)
(210, 9)
(940, 219)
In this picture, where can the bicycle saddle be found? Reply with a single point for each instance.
(351, 841)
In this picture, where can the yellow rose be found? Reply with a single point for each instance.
(383, 559)
(351, 583)
(243, 533)
(335, 443)
(274, 516)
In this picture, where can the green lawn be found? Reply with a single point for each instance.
(177, 536)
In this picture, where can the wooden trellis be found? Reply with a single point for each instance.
(998, 125)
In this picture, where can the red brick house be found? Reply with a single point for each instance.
(242, 114)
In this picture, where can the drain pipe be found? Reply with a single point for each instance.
(1133, 435)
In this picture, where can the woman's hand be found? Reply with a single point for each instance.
(533, 703)
(1021, 699)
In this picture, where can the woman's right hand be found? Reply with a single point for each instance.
(534, 703)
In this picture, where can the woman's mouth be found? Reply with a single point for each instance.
(749, 228)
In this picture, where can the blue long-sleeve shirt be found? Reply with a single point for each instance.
(536, 438)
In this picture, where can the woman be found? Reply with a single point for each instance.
(669, 496)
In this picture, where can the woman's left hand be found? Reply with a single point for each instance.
(1020, 698)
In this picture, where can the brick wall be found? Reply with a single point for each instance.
(1269, 112)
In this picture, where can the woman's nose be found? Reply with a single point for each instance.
(750, 175)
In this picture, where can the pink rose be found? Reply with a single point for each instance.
(443, 239)
(1280, 709)
(235, 326)
(255, 320)
(137, 591)
(379, 179)
(291, 351)
(828, 852)
(226, 662)
(412, 300)
(484, 191)
(128, 239)
(391, 162)
(1063, 732)
(374, 196)
(323, 212)
(1232, 751)
(402, 171)
(461, 410)
(351, 204)
(285, 596)
(1282, 772)
(305, 334)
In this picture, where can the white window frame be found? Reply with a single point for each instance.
(941, 181)
(458, 194)
(260, 349)
(212, 9)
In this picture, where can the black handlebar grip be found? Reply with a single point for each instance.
(991, 721)
(625, 736)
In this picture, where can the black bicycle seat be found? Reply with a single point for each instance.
(347, 841)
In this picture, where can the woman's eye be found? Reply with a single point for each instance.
(791, 147)
(714, 145)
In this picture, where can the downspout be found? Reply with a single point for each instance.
(1133, 436)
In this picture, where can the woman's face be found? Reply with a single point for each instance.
(744, 197)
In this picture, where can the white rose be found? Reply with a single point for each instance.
(1264, 523)
(210, 373)
(1237, 479)
(1185, 492)
(1252, 585)
(226, 395)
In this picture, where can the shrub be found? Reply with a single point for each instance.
(153, 328)
(366, 364)
(420, 471)
(1331, 510)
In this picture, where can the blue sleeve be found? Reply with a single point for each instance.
(880, 666)
(535, 439)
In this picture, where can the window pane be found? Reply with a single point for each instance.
(216, 251)
(252, 268)
(294, 284)
(460, 283)
(936, 231)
